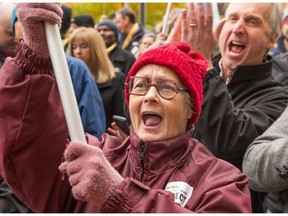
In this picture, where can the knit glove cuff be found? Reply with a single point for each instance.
(91, 176)
(32, 17)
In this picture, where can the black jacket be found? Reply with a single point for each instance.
(134, 43)
(112, 94)
(280, 68)
(234, 115)
(122, 59)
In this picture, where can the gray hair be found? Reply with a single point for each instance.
(275, 17)
(190, 102)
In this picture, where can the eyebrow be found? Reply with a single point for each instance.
(248, 15)
(251, 16)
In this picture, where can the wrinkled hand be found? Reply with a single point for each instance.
(116, 131)
(91, 176)
(200, 34)
(32, 17)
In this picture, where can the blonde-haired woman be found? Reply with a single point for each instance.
(87, 45)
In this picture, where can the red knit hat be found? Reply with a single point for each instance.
(190, 67)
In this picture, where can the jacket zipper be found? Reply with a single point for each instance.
(142, 149)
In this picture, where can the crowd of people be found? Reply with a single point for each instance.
(206, 107)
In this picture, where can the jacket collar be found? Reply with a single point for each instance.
(249, 72)
(161, 155)
(118, 56)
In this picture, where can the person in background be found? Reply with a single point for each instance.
(130, 31)
(87, 44)
(8, 41)
(159, 169)
(89, 100)
(102, 18)
(280, 68)
(112, 17)
(65, 25)
(145, 43)
(265, 163)
(282, 41)
(280, 55)
(82, 20)
(120, 58)
(241, 99)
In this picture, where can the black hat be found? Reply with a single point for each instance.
(111, 25)
(66, 19)
(85, 20)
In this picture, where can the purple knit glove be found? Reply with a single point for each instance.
(32, 17)
(91, 176)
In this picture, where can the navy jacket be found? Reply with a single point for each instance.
(88, 97)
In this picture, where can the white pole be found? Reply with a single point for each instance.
(64, 83)
(164, 26)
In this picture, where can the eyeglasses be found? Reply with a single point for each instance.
(167, 89)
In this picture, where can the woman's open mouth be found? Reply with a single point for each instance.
(151, 119)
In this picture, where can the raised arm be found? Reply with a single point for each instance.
(33, 132)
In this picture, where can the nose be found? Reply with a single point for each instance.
(152, 95)
(239, 27)
(77, 50)
(101, 32)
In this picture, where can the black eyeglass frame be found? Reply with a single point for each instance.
(157, 86)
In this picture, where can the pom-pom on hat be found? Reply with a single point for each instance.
(190, 67)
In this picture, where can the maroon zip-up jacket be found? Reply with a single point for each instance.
(175, 175)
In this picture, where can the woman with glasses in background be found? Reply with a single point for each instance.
(159, 168)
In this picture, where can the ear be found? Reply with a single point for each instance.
(272, 40)
(126, 19)
(189, 113)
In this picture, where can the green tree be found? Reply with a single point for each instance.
(154, 11)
